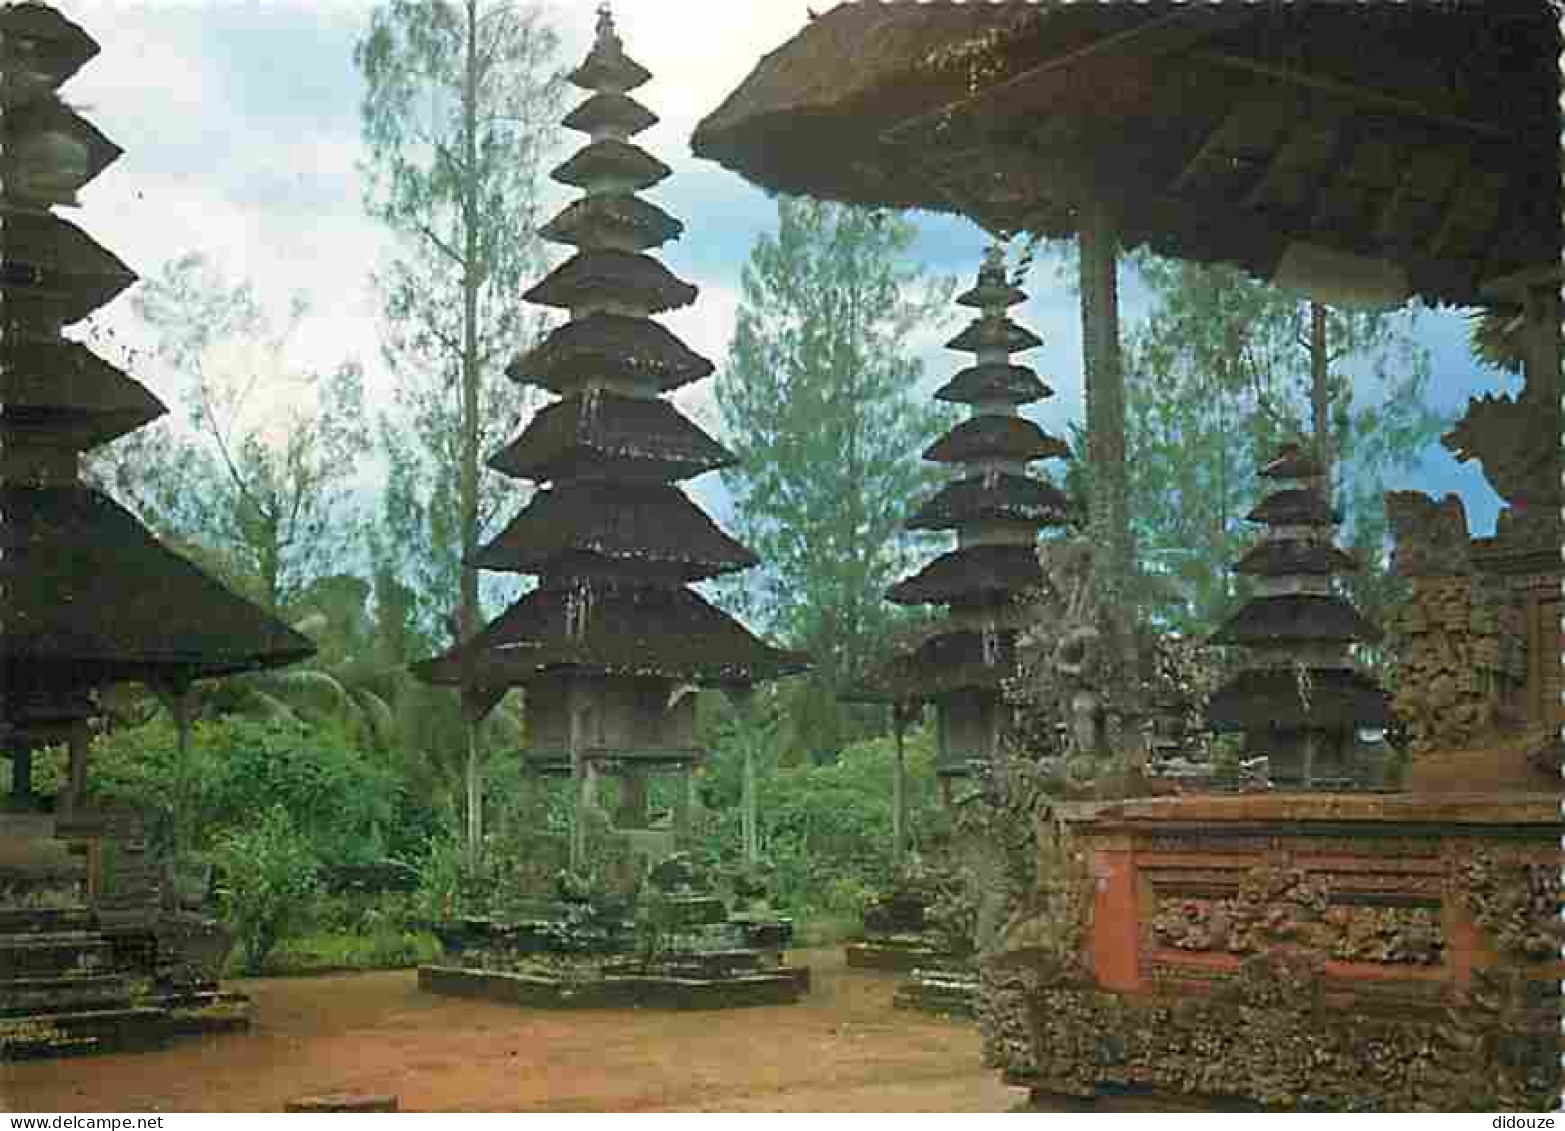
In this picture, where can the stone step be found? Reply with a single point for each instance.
(86, 1031)
(64, 994)
(32, 920)
(47, 954)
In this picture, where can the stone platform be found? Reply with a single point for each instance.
(621, 987)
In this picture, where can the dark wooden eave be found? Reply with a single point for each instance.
(1338, 699)
(1421, 135)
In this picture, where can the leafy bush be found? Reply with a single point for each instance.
(269, 876)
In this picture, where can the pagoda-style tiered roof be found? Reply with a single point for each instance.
(996, 510)
(612, 539)
(90, 596)
(1300, 701)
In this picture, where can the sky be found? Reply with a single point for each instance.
(240, 123)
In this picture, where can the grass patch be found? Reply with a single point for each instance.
(321, 952)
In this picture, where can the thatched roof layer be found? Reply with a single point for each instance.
(622, 276)
(996, 334)
(619, 219)
(996, 437)
(1296, 618)
(611, 437)
(992, 497)
(65, 389)
(51, 115)
(607, 67)
(612, 158)
(942, 665)
(972, 574)
(1006, 384)
(49, 260)
(1279, 558)
(1216, 133)
(622, 524)
(1301, 506)
(1258, 700)
(992, 292)
(611, 110)
(88, 587)
(609, 346)
(59, 46)
(629, 631)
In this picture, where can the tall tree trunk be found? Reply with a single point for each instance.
(1104, 388)
(467, 612)
(1320, 393)
(899, 789)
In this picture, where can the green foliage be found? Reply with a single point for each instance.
(1217, 377)
(818, 402)
(269, 873)
(825, 830)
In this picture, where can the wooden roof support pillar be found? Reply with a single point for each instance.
(1104, 389)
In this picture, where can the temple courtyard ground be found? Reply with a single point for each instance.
(844, 1048)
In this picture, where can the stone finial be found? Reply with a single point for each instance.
(606, 33)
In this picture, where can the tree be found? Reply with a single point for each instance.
(459, 113)
(264, 482)
(1224, 369)
(817, 400)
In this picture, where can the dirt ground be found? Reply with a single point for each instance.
(842, 1049)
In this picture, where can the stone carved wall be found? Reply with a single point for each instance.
(1324, 972)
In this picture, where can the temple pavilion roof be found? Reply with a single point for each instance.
(1411, 135)
(87, 586)
(1279, 557)
(617, 219)
(629, 526)
(990, 497)
(1299, 506)
(1262, 699)
(614, 437)
(52, 261)
(943, 664)
(621, 276)
(995, 334)
(616, 346)
(980, 574)
(1297, 618)
(610, 110)
(1004, 384)
(60, 388)
(611, 158)
(628, 631)
(991, 436)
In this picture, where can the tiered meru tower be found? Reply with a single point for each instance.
(87, 597)
(606, 643)
(996, 509)
(1301, 702)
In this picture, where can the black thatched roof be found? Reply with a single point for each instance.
(942, 664)
(54, 263)
(607, 67)
(623, 276)
(1278, 558)
(612, 437)
(609, 346)
(86, 586)
(57, 45)
(1296, 618)
(50, 115)
(61, 388)
(989, 436)
(627, 527)
(1005, 384)
(608, 157)
(972, 574)
(1411, 133)
(996, 334)
(627, 631)
(612, 219)
(1300, 506)
(1292, 462)
(612, 110)
(1339, 699)
(991, 497)
(992, 289)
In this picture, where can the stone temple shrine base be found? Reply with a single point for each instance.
(624, 987)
